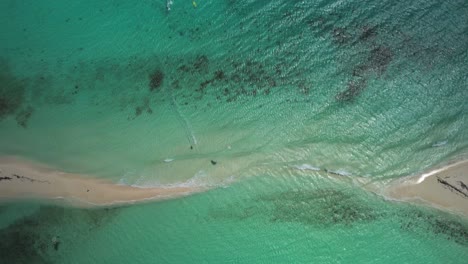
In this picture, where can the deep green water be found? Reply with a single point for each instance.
(112, 88)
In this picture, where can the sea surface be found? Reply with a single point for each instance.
(277, 106)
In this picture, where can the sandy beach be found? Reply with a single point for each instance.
(21, 179)
(445, 188)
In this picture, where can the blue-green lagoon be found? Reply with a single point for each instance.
(277, 107)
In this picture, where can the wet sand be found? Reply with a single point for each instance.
(20, 179)
(445, 188)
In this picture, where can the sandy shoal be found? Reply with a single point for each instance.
(20, 179)
(445, 188)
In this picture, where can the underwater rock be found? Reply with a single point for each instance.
(23, 116)
(368, 32)
(12, 93)
(320, 208)
(340, 36)
(354, 89)
(445, 225)
(201, 63)
(156, 79)
(56, 242)
(379, 58)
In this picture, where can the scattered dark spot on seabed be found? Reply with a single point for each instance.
(328, 208)
(377, 62)
(36, 238)
(325, 207)
(379, 56)
(144, 107)
(340, 36)
(156, 79)
(23, 116)
(234, 79)
(12, 92)
(318, 208)
(354, 88)
(448, 226)
(201, 63)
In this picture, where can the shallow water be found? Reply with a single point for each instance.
(269, 91)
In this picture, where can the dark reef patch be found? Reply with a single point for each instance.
(145, 107)
(36, 238)
(341, 36)
(23, 116)
(219, 75)
(12, 92)
(355, 87)
(21, 244)
(323, 207)
(368, 33)
(377, 62)
(156, 79)
(379, 58)
(354, 39)
(201, 63)
(230, 80)
(445, 225)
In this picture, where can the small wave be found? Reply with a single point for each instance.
(306, 167)
(339, 172)
(428, 174)
(440, 143)
(200, 180)
(168, 160)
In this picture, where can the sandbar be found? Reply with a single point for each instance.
(21, 179)
(445, 188)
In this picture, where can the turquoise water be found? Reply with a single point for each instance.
(113, 88)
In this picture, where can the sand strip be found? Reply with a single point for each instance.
(21, 179)
(445, 188)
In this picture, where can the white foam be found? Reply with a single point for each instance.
(425, 175)
(169, 4)
(168, 160)
(340, 172)
(198, 180)
(306, 167)
(440, 143)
